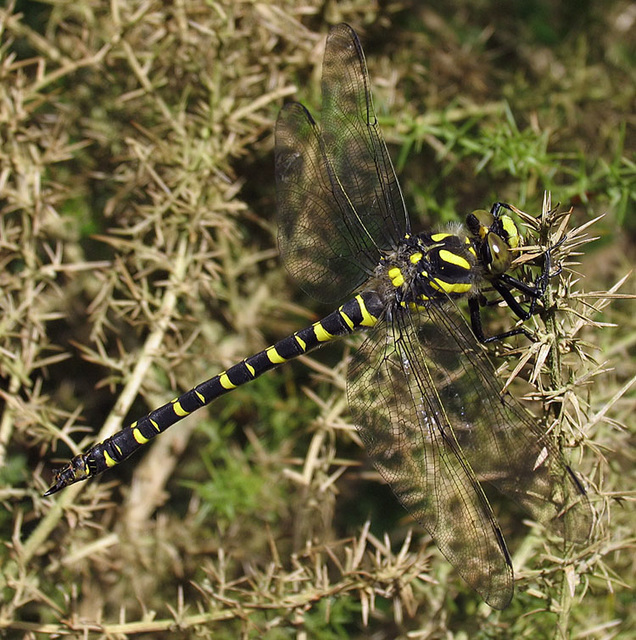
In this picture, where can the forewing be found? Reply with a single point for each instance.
(320, 239)
(339, 201)
(408, 435)
(353, 140)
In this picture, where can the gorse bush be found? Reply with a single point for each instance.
(138, 254)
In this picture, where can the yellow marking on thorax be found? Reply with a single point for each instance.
(448, 287)
(178, 409)
(321, 334)
(415, 257)
(397, 279)
(273, 356)
(415, 307)
(453, 258)
(439, 237)
(225, 382)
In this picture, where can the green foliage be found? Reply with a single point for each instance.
(138, 258)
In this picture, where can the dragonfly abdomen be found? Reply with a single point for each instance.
(363, 311)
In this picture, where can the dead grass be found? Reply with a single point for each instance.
(137, 254)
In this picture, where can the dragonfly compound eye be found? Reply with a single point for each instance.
(479, 223)
(499, 255)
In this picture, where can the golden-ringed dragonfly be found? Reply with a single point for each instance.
(421, 390)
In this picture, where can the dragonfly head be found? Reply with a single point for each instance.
(494, 234)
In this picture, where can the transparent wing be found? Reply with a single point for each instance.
(408, 435)
(504, 446)
(339, 201)
(429, 411)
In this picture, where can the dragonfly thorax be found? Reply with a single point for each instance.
(428, 268)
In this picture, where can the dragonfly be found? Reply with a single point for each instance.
(421, 389)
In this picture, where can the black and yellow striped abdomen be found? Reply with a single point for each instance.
(362, 311)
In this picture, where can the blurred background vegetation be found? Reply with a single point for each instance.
(138, 258)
